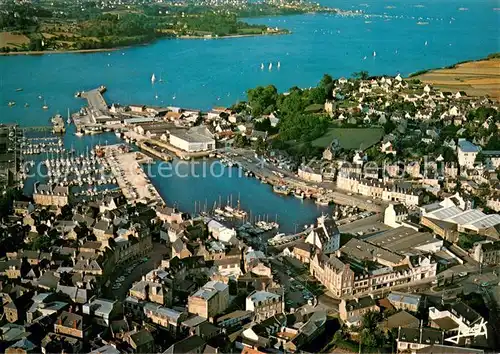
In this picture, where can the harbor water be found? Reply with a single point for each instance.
(203, 73)
(402, 37)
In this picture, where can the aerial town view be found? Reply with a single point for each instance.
(249, 176)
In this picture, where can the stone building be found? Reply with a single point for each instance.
(210, 300)
(264, 304)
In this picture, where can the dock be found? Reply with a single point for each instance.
(96, 103)
(132, 180)
(97, 108)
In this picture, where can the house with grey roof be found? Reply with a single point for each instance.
(405, 301)
(414, 339)
(102, 311)
(352, 311)
(189, 345)
(325, 236)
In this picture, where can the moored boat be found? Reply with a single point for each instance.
(283, 189)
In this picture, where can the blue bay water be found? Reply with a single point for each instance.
(204, 73)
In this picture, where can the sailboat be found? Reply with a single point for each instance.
(374, 54)
(262, 66)
(69, 118)
(270, 66)
(161, 79)
(153, 78)
(156, 96)
(279, 65)
(173, 97)
(426, 43)
(45, 105)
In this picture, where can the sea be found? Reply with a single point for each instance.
(386, 37)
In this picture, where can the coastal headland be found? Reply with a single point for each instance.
(80, 29)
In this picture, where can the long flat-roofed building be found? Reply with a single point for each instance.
(405, 240)
(192, 140)
(470, 220)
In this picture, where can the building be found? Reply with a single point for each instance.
(448, 349)
(210, 300)
(71, 324)
(467, 153)
(164, 316)
(459, 319)
(400, 319)
(361, 267)
(407, 241)
(151, 290)
(192, 140)
(447, 230)
(48, 195)
(102, 310)
(221, 232)
(403, 301)
(469, 220)
(402, 193)
(325, 236)
(487, 252)
(234, 319)
(492, 158)
(264, 304)
(140, 341)
(10, 157)
(493, 203)
(335, 275)
(310, 173)
(351, 311)
(395, 214)
(413, 339)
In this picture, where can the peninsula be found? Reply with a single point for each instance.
(65, 26)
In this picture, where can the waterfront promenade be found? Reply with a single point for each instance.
(246, 159)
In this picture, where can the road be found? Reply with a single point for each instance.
(471, 283)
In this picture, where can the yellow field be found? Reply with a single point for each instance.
(7, 39)
(478, 78)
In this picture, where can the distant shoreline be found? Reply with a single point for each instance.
(82, 51)
(236, 35)
(114, 49)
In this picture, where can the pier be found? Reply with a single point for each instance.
(44, 128)
(96, 103)
(133, 181)
(97, 109)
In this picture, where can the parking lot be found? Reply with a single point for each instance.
(126, 275)
(294, 278)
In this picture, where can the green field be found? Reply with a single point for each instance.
(351, 138)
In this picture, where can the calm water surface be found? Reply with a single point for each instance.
(203, 73)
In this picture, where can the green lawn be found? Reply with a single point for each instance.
(314, 108)
(351, 138)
